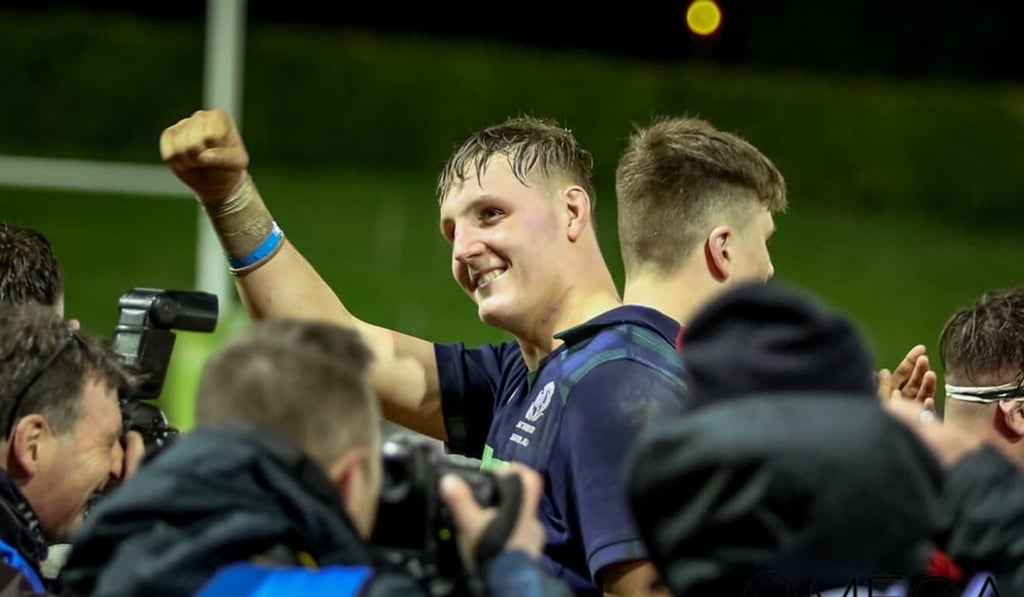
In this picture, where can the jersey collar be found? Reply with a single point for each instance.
(656, 321)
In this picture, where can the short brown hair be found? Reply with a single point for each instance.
(986, 337)
(30, 334)
(307, 381)
(29, 271)
(529, 144)
(675, 178)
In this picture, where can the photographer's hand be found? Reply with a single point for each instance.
(472, 520)
(134, 450)
(206, 152)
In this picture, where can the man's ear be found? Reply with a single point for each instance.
(578, 209)
(717, 253)
(25, 448)
(349, 471)
(1013, 417)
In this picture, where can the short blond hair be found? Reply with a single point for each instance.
(306, 381)
(675, 178)
(531, 145)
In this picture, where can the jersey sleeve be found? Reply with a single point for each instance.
(606, 411)
(469, 383)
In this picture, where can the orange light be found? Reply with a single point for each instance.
(703, 17)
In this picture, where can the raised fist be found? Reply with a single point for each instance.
(206, 152)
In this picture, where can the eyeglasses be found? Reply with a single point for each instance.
(19, 397)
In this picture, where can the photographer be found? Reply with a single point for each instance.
(282, 473)
(31, 274)
(62, 426)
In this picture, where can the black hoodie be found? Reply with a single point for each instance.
(762, 338)
(786, 462)
(826, 487)
(232, 494)
(213, 497)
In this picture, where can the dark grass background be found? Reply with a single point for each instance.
(905, 191)
(373, 236)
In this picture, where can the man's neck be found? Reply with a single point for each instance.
(1012, 449)
(680, 294)
(579, 302)
(982, 421)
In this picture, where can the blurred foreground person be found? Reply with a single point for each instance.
(788, 475)
(283, 471)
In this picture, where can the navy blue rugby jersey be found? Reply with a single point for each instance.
(572, 420)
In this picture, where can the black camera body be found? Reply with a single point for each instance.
(144, 339)
(415, 529)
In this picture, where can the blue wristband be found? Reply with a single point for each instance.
(266, 249)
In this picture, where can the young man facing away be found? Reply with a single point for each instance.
(567, 398)
(29, 270)
(695, 214)
(695, 209)
(980, 437)
(982, 350)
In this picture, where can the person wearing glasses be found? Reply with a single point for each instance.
(31, 273)
(62, 430)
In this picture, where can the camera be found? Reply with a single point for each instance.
(144, 340)
(415, 530)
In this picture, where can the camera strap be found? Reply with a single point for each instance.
(497, 532)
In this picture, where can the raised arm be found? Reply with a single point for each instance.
(206, 152)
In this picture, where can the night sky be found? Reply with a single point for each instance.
(939, 38)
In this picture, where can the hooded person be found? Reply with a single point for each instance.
(786, 475)
(276, 491)
(766, 338)
(743, 494)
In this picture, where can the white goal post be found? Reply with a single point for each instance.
(222, 88)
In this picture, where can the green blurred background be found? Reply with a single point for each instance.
(905, 196)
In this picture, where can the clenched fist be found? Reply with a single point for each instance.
(206, 152)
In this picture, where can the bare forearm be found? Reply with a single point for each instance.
(274, 280)
(288, 286)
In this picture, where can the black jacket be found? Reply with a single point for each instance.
(984, 524)
(22, 545)
(796, 486)
(218, 498)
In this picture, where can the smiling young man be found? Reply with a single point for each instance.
(567, 398)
